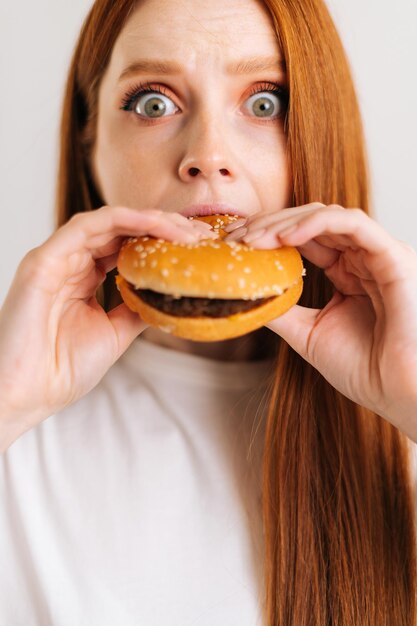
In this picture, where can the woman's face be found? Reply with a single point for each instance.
(205, 133)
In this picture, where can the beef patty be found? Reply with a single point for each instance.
(197, 307)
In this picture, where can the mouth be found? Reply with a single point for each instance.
(222, 208)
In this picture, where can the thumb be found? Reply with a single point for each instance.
(295, 327)
(127, 326)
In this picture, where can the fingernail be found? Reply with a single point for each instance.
(236, 234)
(255, 234)
(233, 225)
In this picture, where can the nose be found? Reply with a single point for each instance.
(206, 155)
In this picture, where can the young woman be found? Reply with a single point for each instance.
(142, 499)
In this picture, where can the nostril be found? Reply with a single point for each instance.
(193, 171)
(224, 172)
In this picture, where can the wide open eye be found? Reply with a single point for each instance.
(149, 102)
(154, 105)
(268, 103)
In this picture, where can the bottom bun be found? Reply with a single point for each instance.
(211, 328)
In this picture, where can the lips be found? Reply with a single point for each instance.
(211, 209)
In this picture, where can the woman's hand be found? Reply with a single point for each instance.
(364, 342)
(56, 341)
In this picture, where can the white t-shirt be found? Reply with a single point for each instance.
(140, 504)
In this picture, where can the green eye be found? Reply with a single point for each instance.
(152, 105)
(267, 104)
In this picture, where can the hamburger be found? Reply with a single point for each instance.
(211, 290)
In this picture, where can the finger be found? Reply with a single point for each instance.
(295, 327)
(127, 326)
(264, 219)
(360, 229)
(95, 229)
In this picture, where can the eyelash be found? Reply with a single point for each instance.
(137, 91)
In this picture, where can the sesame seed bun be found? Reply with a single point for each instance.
(234, 287)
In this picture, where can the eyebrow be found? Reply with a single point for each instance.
(172, 68)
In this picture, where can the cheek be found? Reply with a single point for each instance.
(127, 167)
(273, 175)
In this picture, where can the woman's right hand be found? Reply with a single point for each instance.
(56, 341)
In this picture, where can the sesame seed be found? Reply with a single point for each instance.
(165, 272)
(145, 238)
(154, 263)
(239, 258)
(142, 263)
(135, 263)
(214, 276)
(139, 248)
(247, 270)
(230, 266)
(143, 255)
(164, 249)
(242, 283)
(304, 273)
(187, 273)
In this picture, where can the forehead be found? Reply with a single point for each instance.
(197, 31)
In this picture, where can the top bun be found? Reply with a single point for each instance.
(209, 268)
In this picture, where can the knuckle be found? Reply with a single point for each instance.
(336, 207)
(34, 263)
(77, 218)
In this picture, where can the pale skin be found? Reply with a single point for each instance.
(56, 342)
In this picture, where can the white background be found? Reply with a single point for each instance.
(36, 42)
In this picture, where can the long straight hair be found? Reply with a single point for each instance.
(338, 515)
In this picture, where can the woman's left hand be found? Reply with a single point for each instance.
(364, 341)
